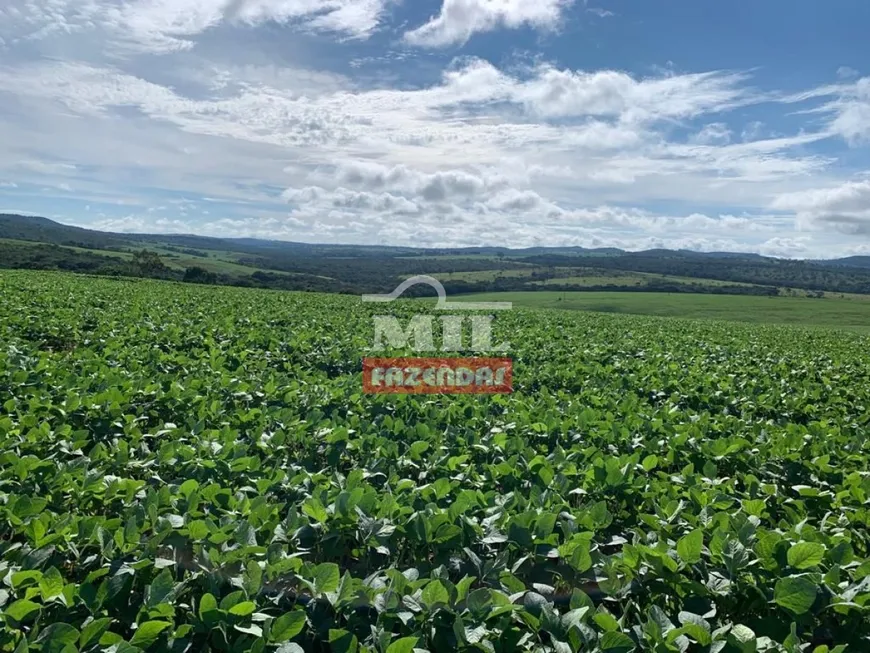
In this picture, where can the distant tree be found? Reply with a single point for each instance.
(197, 274)
(149, 263)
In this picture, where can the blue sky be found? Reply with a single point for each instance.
(741, 126)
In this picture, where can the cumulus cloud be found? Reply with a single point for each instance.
(785, 247)
(844, 208)
(459, 20)
(552, 92)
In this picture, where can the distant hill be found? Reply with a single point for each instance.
(850, 262)
(44, 230)
(36, 242)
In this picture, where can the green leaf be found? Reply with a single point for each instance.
(806, 555)
(161, 587)
(253, 578)
(208, 603)
(22, 610)
(404, 645)
(287, 626)
(698, 633)
(57, 637)
(51, 584)
(580, 557)
(93, 631)
(607, 622)
(435, 593)
(243, 609)
(314, 509)
(743, 636)
(689, 547)
(147, 633)
(21, 579)
(341, 641)
(188, 487)
(796, 594)
(326, 578)
(463, 586)
(616, 642)
(198, 530)
(232, 599)
(579, 599)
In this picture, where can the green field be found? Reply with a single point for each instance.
(219, 262)
(100, 252)
(853, 313)
(636, 279)
(196, 468)
(533, 277)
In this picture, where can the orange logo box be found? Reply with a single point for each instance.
(438, 376)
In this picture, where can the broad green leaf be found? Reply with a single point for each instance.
(326, 577)
(22, 610)
(616, 643)
(435, 593)
(253, 578)
(796, 593)
(51, 584)
(689, 547)
(58, 637)
(208, 603)
(198, 530)
(161, 587)
(806, 555)
(287, 626)
(404, 645)
(607, 622)
(243, 609)
(341, 641)
(92, 633)
(146, 634)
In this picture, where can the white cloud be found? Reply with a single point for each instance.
(844, 208)
(165, 26)
(272, 142)
(712, 134)
(786, 247)
(852, 110)
(561, 93)
(599, 12)
(849, 110)
(459, 20)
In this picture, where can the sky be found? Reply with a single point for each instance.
(738, 126)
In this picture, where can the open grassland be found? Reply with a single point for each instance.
(193, 468)
(849, 312)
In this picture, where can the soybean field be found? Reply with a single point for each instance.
(193, 468)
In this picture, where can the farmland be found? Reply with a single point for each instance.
(847, 312)
(190, 468)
